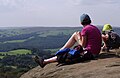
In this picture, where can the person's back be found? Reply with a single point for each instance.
(94, 39)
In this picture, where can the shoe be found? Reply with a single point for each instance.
(39, 60)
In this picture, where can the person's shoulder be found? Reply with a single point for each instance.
(87, 26)
(91, 27)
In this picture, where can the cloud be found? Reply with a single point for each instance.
(112, 1)
(96, 2)
(50, 12)
(10, 5)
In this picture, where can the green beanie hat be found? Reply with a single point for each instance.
(107, 27)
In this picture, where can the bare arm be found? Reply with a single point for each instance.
(81, 39)
(83, 42)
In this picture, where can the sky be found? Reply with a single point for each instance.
(21, 13)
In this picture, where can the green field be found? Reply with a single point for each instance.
(1, 57)
(57, 32)
(15, 52)
(16, 41)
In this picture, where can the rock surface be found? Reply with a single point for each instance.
(106, 66)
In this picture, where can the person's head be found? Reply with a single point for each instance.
(107, 28)
(85, 19)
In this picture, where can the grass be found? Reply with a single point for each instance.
(53, 50)
(16, 41)
(1, 57)
(14, 67)
(57, 32)
(15, 52)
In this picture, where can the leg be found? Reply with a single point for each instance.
(104, 43)
(105, 47)
(74, 38)
(104, 40)
(50, 60)
(42, 62)
(69, 44)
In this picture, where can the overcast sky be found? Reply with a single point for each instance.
(58, 12)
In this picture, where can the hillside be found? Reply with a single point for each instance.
(34, 37)
(17, 44)
(106, 66)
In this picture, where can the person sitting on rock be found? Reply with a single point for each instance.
(89, 39)
(111, 39)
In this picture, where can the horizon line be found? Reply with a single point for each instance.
(23, 26)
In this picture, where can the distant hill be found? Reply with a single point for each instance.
(13, 38)
(13, 31)
(27, 37)
(8, 32)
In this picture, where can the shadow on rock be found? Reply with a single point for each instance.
(108, 55)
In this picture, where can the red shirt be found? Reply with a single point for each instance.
(94, 39)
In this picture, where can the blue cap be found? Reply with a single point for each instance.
(84, 18)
